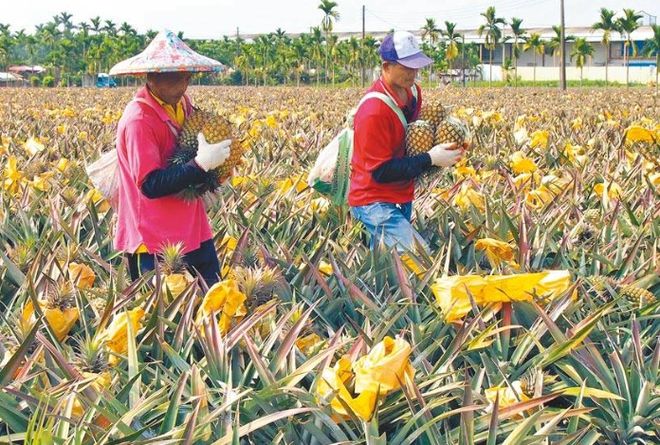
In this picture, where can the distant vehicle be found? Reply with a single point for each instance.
(103, 80)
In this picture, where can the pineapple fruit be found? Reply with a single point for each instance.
(215, 129)
(632, 293)
(451, 130)
(433, 112)
(419, 138)
(175, 276)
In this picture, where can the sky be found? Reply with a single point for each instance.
(213, 19)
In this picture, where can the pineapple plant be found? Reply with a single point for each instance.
(215, 129)
(91, 358)
(257, 283)
(58, 303)
(175, 276)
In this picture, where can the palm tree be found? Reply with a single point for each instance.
(652, 48)
(582, 51)
(536, 44)
(626, 25)
(110, 27)
(555, 42)
(518, 36)
(493, 35)
(329, 13)
(430, 34)
(607, 24)
(453, 39)
(96, 24)
(6, 42)
(316, 42)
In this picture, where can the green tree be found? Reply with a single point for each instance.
(329, 14)
(518, 36)
(607, 24)
(582, 51)
(452, 39)
(537, 45)
(652, 48)
(626, 25)
(493, 34)
(430, 34)
(555, 42)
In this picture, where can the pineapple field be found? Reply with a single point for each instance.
(533, 321)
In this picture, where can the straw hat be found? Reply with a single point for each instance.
(165, 54)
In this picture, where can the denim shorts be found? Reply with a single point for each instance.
(390, 223)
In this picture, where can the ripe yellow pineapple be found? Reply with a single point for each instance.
(433, 112)
(419, 138)
(451, 130)
(215, 129)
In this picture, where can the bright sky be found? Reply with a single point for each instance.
(213, 19)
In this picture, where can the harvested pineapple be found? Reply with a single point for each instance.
(215, 129)
(433, 112)
(452, 130)
(419, 138)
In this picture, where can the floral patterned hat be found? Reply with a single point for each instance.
(165, 54)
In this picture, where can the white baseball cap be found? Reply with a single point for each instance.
(403, 47)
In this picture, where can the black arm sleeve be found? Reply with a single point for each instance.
(402, 169)
(171, 180)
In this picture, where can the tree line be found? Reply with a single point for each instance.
(69, 50)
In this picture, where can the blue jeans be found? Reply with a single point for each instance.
(391, 223)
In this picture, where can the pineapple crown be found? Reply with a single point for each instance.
(171, 257)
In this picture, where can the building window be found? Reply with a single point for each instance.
(616, 50)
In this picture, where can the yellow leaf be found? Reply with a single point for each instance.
(591, 392)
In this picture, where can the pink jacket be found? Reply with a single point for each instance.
(146, 138)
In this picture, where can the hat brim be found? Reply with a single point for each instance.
(416, 61)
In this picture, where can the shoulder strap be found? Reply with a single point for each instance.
(389, 102)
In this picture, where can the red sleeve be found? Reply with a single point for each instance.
(373, 138)
(142, 150)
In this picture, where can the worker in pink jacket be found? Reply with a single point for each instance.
(150, 214)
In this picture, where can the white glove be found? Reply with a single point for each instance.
(445, 155)
(210, 156)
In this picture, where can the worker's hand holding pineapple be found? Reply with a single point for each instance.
(446, 154)
(211, 156)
